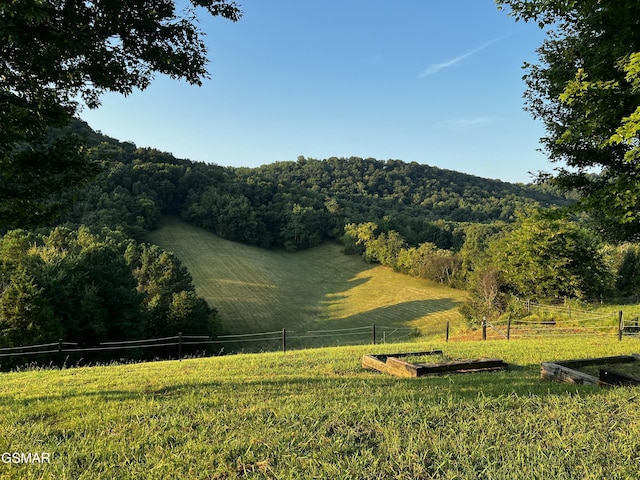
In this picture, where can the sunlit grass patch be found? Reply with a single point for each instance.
(259, 290)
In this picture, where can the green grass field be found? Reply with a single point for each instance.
(257, 290)
(317, 414)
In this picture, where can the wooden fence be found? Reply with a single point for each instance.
(264, 341)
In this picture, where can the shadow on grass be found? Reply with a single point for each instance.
(400, 314)
(518, 382)
(393, 323)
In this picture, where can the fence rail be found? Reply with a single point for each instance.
(372, 333)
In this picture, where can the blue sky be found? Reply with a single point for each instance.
(432, 81)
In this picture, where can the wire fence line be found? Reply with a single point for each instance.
(536, 320)
(270, 341)
(541, 320)
(567, 309)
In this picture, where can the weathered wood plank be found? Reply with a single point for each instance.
(400, 368)
(596, 361)
(561, 373)
(465, 365)
(378, 362)
(371, 361)
(567, 371)
(393, 365)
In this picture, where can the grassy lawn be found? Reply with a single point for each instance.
(318, 414)
(257, 290)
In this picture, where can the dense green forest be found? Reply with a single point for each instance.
(295, 204)
(86, 288)
(90, 276)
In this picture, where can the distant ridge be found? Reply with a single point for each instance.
(295, 204)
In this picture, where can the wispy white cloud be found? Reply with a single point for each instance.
(471, 121)
(436, 67)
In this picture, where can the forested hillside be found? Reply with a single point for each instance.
(294, 204)
(409, 187)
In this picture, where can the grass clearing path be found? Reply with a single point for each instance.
(257, 290)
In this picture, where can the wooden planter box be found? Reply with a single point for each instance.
(568, 371)
(394, 365)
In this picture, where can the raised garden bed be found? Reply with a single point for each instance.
(605, 371)
(418, 364)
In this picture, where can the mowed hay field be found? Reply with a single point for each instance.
(258, 290)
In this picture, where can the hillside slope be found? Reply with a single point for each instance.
(257, 290)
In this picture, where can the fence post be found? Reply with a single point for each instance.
(446, 338)
(509, 328)
(373, 333)
(284, 340)
(620, 325)
(179, 346)
(484, 328)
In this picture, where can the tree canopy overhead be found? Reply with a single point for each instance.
(586, 90)
(56, 53)
(57, 49)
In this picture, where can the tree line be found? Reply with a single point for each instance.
(292, 205)
(87, 287)
(545, 255)
(384, 210)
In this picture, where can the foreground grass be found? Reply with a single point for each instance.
(258, 290)
(317, 414)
